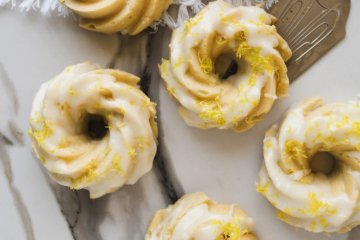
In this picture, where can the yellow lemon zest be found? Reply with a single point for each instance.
(282, 216)
(88, 176)
(273, 202)
(357, 104)
(356, 128)
(312, 226)
(71, 91)
(344, 120)
(315, 205)
(231, 20)
(97, 105)
(230, 230)
(240, 36)
(171, 91)
(211, 110)
(287, 211)
(63, 143)
(268, 143)
(164, 67)
(254, 103)
(178, 61)
(329, 142)
(188, 25)
(141, 143)
(206, 64)
(289, 130)
(241, 87)
(262, 18)
(252, 55)
(252, 80)
(357, 147)
(42, 159)
(69, 68)
(262, 188)
(116, 162)
(108, 118)
(132, 152)
(43, 133)
(294, 150)
(324, 222)
(148, 103)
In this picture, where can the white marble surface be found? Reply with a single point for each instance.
(225, 164)
(34, 48)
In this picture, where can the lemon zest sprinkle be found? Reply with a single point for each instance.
(252, 55)
(97, 105)
(206, 64)
(42, 134)
(312, 226)
(252, 80)
(42, 159)
(188, 25)
(148, 103)
(132, 152)
(88, 176)
(116, 162)
(141, 143)
(324, 222)
(282, 216)
(230, 230)
(69, 68)
(356, 128)
(268, 143)
(262, 188)
(178, 61)
(262, 18)
(72, 91)
(171, 91)
(164, 67)
(294, 150)
(211, 110)
(63, 143)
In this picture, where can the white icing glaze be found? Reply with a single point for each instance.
(196, 217)
(109, 16)
(239, 101)
(314, 201)
(56, 128)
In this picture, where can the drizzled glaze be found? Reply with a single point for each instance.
(125, 16)
(239, 101)
(314, 201)
(103, 165)
(197, 217)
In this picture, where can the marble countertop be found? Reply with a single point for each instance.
(34, 48)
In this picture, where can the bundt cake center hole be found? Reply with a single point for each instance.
(226, 66)
(95, 126)
(323, 162)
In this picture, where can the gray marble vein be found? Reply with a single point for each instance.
(19, 203)
(138, 55)
(8, 94)
(131, 204)
(10, 103)
(166, 172)
(182, 151)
